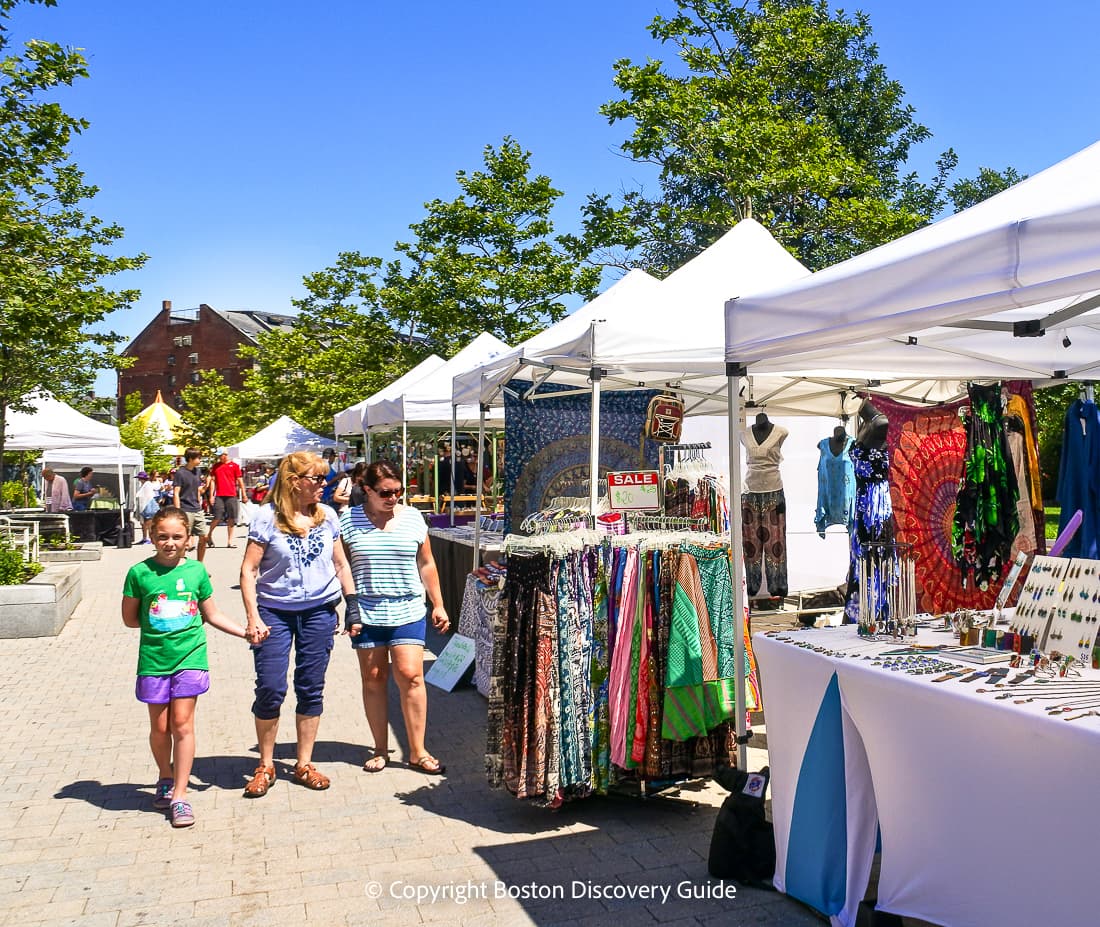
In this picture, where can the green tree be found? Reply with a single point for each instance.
(779, 110)
(53, 254)
(217, 415)
(488, 260)
(342, 347)
(147, 438)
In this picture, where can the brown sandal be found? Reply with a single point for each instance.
(262, 780)
(428, 765)
(309, 777)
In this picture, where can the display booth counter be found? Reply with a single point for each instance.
(957, 783)
(453, 550)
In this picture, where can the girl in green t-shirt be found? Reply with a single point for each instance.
(169, 597)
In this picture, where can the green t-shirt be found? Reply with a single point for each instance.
(172, 634)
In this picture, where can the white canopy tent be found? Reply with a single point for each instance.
(283, 436)
(352, 420)
(642, 333)
(427, 402)
(1005, 289)
(65, 435)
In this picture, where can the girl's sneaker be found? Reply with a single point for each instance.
(162, 797)
(182, 815)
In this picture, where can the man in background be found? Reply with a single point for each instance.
(187, 490)
(56, 492)
(84, 490)
(228, 490)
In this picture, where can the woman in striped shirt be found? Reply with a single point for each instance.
(391, 562)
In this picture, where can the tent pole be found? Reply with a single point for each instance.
(596, 374)
(404, 462)
(480, 484)
(122, 516)
(737, 555)
(454, 450)
(366, 445)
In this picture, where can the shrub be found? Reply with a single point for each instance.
(11, 494)
(13, 568)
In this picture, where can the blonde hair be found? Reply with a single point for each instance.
(291, 469)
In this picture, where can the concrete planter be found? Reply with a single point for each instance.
(41, 607)
(89, 551)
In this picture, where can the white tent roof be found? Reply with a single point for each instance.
(646, 333)
(481, 383)
(352, 420)
(73, 458)
(942, 302)
(428, 401)
(281, 437)
(55, 424)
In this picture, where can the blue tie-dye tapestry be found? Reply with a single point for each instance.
(546, 444)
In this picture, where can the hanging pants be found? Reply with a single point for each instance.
(764, 538)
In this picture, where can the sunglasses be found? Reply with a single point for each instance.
(317, 478)
(387, 493)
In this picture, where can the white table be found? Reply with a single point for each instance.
(987, 810)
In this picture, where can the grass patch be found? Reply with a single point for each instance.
(1052, 515)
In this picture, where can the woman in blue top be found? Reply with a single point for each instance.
(391, 561)
(292, 576)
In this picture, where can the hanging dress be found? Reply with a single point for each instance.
(873, 518)
(764, 513)
(985, 511)
(1079, 478)
(836, 486)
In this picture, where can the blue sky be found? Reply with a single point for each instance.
(243, 144)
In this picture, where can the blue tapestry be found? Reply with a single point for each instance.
(546, 444)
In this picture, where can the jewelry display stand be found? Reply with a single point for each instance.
(1075, 614)
(1036, 603)
(1060, 607)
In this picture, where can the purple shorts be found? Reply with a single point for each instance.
(160, 690)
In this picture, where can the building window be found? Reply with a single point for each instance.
(193, 358)
(171, 360)
(182, 341)
(195, 376)
(172, 379)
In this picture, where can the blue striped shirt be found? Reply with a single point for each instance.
(383, 564)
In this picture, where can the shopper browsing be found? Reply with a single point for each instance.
(293, 575)
(391, 559)
(169, 597)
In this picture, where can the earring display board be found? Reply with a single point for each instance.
(1059, 606)
(1075, 615)
(1036, 603)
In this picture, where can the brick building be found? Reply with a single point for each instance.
(172, 349)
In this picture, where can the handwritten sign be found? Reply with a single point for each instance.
(452, 663)
(634, 490)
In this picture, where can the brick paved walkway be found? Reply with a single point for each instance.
(79, 843)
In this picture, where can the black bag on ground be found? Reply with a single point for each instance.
(743, 845)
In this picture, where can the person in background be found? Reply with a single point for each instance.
(293, 575)
(391, 561)
(84, 490)
(228, 490)
(358, 493)
(147, 503)
(334, 475)
(55, 492)
(187, 488)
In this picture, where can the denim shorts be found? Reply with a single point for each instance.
(160, 690)
(374, 635)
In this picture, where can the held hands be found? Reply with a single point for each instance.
(256, 632)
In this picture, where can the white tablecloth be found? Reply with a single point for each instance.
(986, 809)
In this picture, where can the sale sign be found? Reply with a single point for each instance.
(634, 490)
